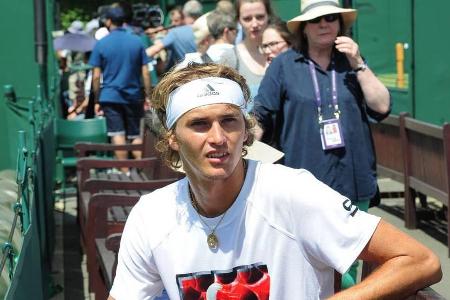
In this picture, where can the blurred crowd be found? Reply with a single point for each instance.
(245, 35)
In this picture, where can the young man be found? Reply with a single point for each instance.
(241, 229)
(121, 60)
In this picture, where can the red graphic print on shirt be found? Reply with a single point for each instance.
(241, 283)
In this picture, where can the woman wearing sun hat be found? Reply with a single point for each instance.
(316, 99)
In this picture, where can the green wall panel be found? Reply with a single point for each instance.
(17, 59)
(286, 9)
(432, 72)
(380, 25)
(17, 67)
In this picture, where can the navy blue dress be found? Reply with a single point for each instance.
(286, 108)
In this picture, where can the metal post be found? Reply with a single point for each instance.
(40, 40)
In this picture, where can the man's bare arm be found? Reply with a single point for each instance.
(147, 83)
(405, 266)
(155, 49)
(96, 74)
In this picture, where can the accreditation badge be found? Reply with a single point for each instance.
(331, 134)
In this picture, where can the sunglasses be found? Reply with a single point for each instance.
(328, 18)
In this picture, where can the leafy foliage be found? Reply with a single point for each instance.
(70, 15)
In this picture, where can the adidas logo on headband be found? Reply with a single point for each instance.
(208, 91)
(201, 92)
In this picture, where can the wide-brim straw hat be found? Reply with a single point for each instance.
(311, 9)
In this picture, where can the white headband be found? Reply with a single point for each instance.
(200, 92)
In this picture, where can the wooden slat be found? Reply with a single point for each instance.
(424, 128)
(117, 214)
(106, 260)
(390, 173)
(429, 190)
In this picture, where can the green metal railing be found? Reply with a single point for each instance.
(21, 211)
(27, 264)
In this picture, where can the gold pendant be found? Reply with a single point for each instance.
(213, 241)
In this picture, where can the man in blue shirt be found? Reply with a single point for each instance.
(121, 60)
(179, 40)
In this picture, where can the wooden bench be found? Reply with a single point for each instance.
(91, 180)
(426, 157)
(101, 192)
(388, 150)
(107, 217)
(92, 174)
(105, 198)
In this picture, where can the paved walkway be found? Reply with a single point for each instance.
(69, 259)
(71, 264)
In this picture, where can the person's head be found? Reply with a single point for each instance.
(115, 16)
(254, 16)
(225, 7)
(276, 39)
(201, 33)
(127, 10)
(192, 10)
(319, 23)
(222, 27)
(188, 99)
(176, 16)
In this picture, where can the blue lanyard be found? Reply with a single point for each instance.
(312, 70)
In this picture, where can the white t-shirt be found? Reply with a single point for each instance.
(282, 237)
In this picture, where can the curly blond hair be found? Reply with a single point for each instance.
(176, 78)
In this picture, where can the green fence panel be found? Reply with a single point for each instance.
(380, 25)
(419, 26)
(25, 263)
(432, 71)
(27, 282)
(286, 9)
(18, 69)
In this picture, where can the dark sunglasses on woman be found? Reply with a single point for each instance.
(328, 18)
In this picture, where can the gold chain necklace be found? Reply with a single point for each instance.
(212, 240)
